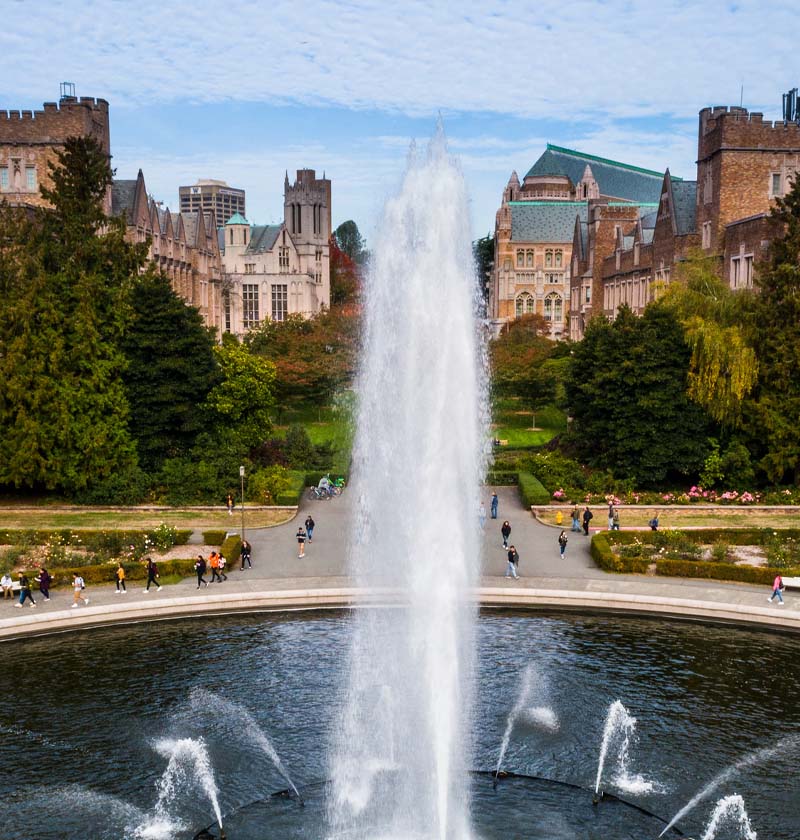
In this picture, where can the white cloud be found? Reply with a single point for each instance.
(583, 59)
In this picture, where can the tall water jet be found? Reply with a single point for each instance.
(246, 727)
(730, 810)
(619, 728)
(186, 755)
(417, 465)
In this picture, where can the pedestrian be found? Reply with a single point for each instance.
(513, 562)
(616, 520)
(221, 563)
(562, 542)
(482, 515)
(505, 530)
(777, 589)
(152, 574)
(229, 503)
(310, 525)
(493, 505)
(244, 554)
(610, 516)
(44, 579)
(587, 518)
(24, 591)
(301, 542)
(576, 519)
(7, 585)
(121, 579)
(78, 586)
(200, 570)
(653, 523)
(213, 562)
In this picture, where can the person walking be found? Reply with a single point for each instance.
(221, 563)
(310, 525)
(244, 554)
(653, 523)
(505, 530)
(301, 543)
(610, 516)
(200, 570)
(152, 574)
(777, 589)
(482, 515)
(24, 591)
(576, 519)
(493, 505)
(213, 562)
(513, 563)
(78, 586)
(7, 585)
(44, 579)
(562, 542)
(615, 520)
(121, 579)
(229, 504)
(587, 518)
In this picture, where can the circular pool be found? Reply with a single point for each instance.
(83, 712)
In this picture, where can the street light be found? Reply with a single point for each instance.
(241, 476)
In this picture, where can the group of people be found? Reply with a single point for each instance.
(305, 532)
(44, 579)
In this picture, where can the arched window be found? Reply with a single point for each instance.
(520, 258)
(524, 304)
(559, 258)
(529, 258)
(548, 259)
(553, 307)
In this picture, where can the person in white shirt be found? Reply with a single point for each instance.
(6, 584)
(78, 586)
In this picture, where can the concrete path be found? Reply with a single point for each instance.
(279, 580)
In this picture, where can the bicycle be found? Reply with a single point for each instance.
(317, 493)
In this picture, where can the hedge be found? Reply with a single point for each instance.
(107, 572)
(708, 536)
(214, 537)
(607, 560)
(720, 571)
(531, 490)
(231, 548)
(291, 496)
(78, 536)
(502, 478)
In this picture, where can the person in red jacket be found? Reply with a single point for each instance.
(777, 588)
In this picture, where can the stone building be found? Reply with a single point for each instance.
(271, 271)
(183, 245)
(209, 194)
(535, 224)
(30, 140)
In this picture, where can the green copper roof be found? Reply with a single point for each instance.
(237, 219)
(615, 179)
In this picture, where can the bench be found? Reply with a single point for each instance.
(791, 582)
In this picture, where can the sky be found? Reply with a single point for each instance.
(244, 91)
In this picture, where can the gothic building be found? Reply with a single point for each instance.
(271, 271)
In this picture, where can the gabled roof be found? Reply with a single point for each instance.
(190, 225)
(684, 203)
(614, 179)
(262, 238)
(545, 221)
(123, 197)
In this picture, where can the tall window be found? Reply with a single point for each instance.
(520, 258)
(524, 304)
(777, 188)
(559, 258)
(249, 268)
(529, 258)
(3, 177)
(736, 271)
(250, 317)
(706, 235)
(553, 310)
(548, 259)
(30, 177)
(318, 255)
(226, 306)
(283, 257)
(748, 272)
(280, 298)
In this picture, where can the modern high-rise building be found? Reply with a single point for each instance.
(208, 194)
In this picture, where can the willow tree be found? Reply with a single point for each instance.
(717, 324)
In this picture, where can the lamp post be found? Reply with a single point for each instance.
(241, 476)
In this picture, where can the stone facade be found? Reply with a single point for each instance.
(271, 271)
(184, 246)
(30, 140)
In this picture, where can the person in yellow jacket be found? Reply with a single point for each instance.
(121, 579)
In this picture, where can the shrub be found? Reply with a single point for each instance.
(163, 537)
(268, 484)
(606, 559)
(291, 496)
(782, 552)
(231, 548)
(501, 478)
(214, 537)
(719, 551)
(555, 471)
(299, 450)
(531, 490)
(125, 487)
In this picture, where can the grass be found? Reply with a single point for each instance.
(324, 425)
(196, 520)
(672, 518)
(513, 421)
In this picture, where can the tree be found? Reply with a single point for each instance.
(345, 279)
(723, 368)
(626, 389)
(776, 406)
(239, 406)
(483, 252)
(66, 276)
(349, 239)
(171, 370)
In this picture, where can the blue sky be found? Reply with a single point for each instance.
(244, 90)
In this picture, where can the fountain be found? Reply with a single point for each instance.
(620, 729)
(417, 468)
(730, 810)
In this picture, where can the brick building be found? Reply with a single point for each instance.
(535, 224)
(29, 141)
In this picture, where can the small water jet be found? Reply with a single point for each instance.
(186, 755)
(523, 698)
(730, 810)
(247, 728)
(620, 728)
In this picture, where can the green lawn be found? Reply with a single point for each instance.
(324, 425)
(512, 422)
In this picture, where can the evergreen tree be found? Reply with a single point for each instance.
(171, 370)
(627, 393)
(349, 239)
(65, 278)
(776, 408)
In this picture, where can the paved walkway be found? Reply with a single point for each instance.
(279, 580)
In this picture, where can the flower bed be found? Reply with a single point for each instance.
(694, 495)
